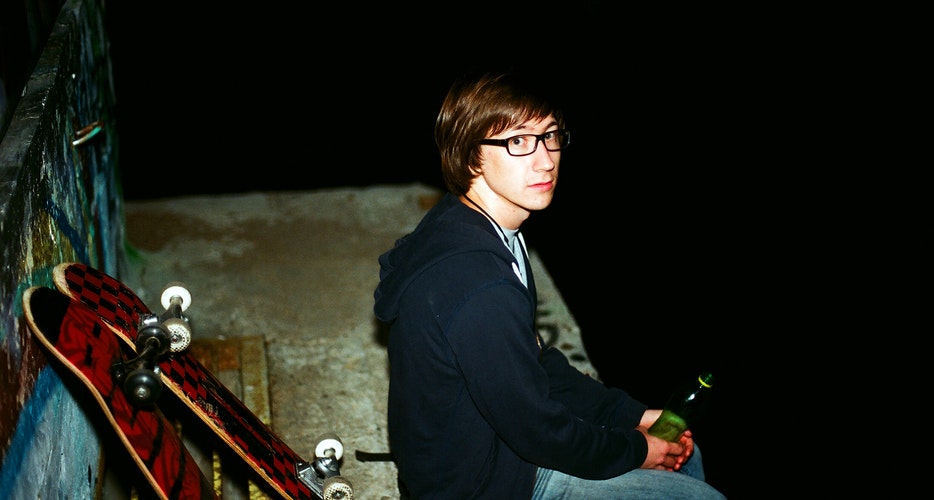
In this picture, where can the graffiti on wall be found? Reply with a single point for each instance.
(59, 201)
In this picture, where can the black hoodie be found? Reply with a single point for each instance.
(476, 402)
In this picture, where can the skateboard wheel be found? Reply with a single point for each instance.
(337, 488)
(176, 289)
(155, 335)
(142, 386)
(179, 334)
(329, 446)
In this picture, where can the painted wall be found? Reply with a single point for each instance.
(60, 200)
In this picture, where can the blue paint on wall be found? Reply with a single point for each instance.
(78, 243)
(37, 444)
(14, 303)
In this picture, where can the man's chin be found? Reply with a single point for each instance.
(540, 202)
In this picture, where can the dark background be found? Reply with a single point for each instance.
(667, 237)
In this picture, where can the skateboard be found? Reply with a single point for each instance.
(198, 389)
(84, 345)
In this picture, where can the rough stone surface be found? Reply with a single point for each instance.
(299, 269)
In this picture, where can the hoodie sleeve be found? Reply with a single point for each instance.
(589, 398)
(545, 410)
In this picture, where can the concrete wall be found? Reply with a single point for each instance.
(60, 200)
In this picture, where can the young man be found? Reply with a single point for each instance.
(479, 407)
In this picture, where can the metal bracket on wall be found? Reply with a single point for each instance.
(86, 133)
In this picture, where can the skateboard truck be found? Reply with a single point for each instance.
(156, 335)
(323, 476)
(139, 376)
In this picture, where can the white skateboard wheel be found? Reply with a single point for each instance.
(329, 446)
(176, 289)
(337, 488)
(179, 334)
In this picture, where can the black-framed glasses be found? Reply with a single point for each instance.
(526, 144)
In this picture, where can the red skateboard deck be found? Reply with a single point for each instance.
(230, 419)
(85, 346)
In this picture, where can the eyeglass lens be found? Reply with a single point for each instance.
(527, 143)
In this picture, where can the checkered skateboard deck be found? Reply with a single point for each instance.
(234, 423)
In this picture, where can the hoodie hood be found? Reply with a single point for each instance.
(450, 228)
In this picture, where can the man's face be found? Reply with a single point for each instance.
(522, 183)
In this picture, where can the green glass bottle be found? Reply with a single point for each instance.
(683, 408)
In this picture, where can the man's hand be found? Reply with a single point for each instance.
(667, 455)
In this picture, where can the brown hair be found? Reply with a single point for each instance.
(479, 105)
